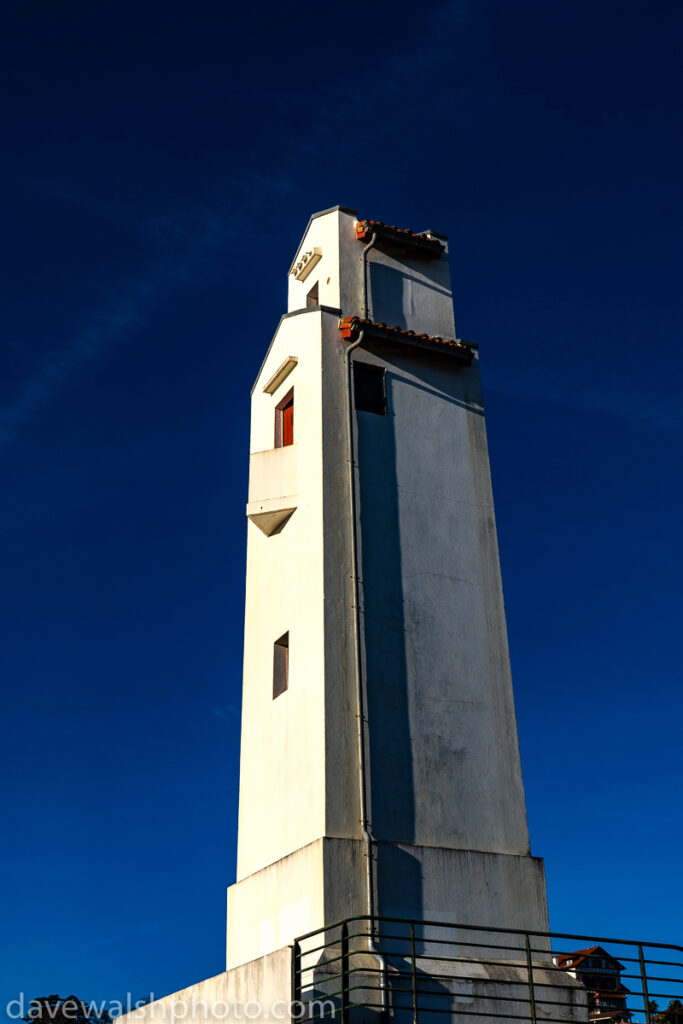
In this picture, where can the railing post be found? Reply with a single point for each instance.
(413, 971)
(345, 984)
(643, 979)
(296, 972)
(530, 972)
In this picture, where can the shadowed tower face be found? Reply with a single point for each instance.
(374, 596)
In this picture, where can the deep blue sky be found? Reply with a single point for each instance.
(158, 167)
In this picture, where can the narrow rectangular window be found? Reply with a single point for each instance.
(280, 665)
(288, 423)
(369, 388)
(284, 421)
(312, 297)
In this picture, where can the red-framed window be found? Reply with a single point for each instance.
(284, 421)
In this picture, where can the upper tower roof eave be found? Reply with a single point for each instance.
(285, 316)
(321, 213)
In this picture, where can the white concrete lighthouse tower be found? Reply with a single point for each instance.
(380, 769)
(380, 774)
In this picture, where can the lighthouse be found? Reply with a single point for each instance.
(380, 769)
(380, 777)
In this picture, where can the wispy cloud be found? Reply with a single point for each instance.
(110, 326)
(187, 234)
(225, 711)
(184, 238)
(587, 369)
(124, 936)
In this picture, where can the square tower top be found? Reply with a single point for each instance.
(369, 269)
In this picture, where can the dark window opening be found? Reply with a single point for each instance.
(284, 421)
(369, 388)
(280, 665)
(312, 297)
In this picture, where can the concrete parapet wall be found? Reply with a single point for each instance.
(461, 989)
(259, 990)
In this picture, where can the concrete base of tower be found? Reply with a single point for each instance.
(430, 883)
(441, 890)
(325, 882)
(462, 990)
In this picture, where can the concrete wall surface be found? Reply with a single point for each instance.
(469, 988)
(270, 908)
(260, 990)
(319, 884)
(324, 883)
(484, 987)
(273, 473)
(282, 774)
(323, 232)
(444, 758)
(464, 886)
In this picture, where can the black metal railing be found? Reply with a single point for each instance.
(366, 969)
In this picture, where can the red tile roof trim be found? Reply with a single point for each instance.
(579, 955)
(351, 327)
(403, 238)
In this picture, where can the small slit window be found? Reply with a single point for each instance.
(312, 297)
(369, 388)
(280, 665)
(284, 421)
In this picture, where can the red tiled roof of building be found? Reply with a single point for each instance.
(576, 956)
(403, 237)
(351, 327)
(565, 960)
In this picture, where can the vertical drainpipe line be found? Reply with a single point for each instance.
(360, 699)
(364, 261)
